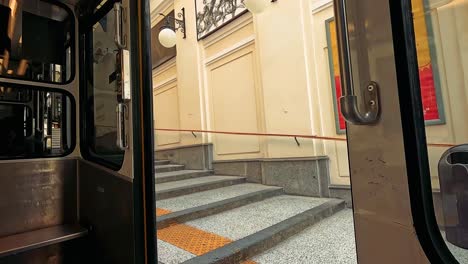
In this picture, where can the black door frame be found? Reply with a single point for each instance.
(414, 133)
(143, 133)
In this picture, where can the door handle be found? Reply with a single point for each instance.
(121, 111)
(349, 100)
(119, 39)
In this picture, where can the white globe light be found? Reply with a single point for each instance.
(257, 6)
(167, 37)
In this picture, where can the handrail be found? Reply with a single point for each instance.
(250, 134)
(276, 135)
(349, 99)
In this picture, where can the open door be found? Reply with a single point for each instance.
(400, 63)
(116, 176)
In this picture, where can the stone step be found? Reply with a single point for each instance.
(256, 227)
(162, 162)
(167, 168)
(329, 241)
(163, 177)
(202, 204)
(184, 187)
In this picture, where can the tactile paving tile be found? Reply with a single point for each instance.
(191, 239)
(161, 211)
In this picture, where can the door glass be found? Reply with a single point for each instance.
(34, 123)
(36, 41)
(442, 45)
(102, 93)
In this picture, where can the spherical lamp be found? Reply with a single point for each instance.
(257, 6)
(167, 37)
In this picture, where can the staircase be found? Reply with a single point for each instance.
(207, 218)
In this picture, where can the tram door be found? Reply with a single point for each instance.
(403, 73)
(76, 175)
(116, 138)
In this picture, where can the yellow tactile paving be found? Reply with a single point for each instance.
(161, 211)
(191, 239)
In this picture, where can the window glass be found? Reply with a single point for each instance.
(36, 41)
(443, 60)
(34, 123)
(102, 92)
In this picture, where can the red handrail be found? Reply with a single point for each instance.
(277, 135)
(250, 134)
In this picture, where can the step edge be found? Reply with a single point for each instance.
(187, 171)
(217, 207)
(168, 166)
(182, 176)
(221, 182)
(228, 178)
(254, 244)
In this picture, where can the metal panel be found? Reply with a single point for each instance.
(376, 152)
(106, 209)
(28, 241)
(37, 194)
(64, 253)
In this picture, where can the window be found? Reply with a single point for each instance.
(101, 94)
(35, 122)
(36, 41)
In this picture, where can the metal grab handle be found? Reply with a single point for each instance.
(349, 101)
(121, 133)
(118, 38)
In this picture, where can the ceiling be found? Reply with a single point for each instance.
(70, 2)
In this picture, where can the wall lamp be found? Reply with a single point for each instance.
(167, 35)
(257, 6)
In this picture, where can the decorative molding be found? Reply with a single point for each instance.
(434, 4)
(231, 50)
(319, 5)
(164, 67)
(156, 9)
(228, 30)
(167, 82)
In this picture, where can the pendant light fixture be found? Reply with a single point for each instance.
(257, 6)
(167, 36)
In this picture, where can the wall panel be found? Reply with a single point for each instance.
(233, 97)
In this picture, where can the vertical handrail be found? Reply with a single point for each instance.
(121, 133)
(118, 37)
(349, 100)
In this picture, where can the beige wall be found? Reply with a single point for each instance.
(177, 83)
(269, 73)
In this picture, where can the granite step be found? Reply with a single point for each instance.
(170, 176)
(184, 187)
(168, 168)
(202, 204)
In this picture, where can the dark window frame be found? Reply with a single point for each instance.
(72, 47)
(72, 122)
(86, 119)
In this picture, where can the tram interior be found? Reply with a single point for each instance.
(55, 207)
